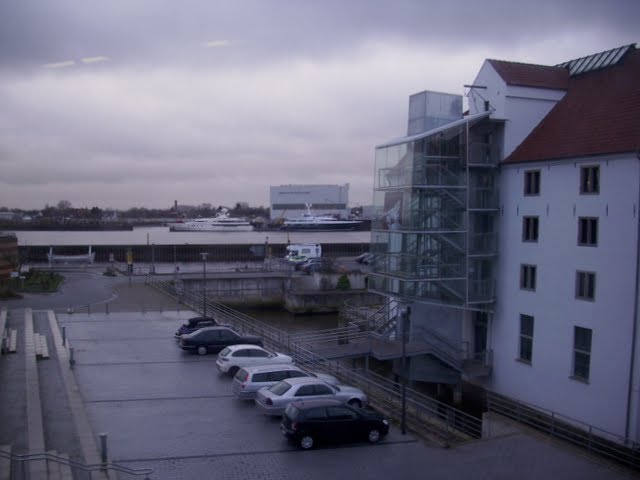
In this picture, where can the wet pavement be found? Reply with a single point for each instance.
(173, 412)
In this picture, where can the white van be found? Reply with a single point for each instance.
(299, 252)
(248, 380)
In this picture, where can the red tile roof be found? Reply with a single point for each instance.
(528, 75)
(599, 115)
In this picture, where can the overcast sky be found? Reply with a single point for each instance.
(137, 103)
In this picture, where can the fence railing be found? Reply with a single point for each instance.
(19, 472)
(443, 423)
(591, 438)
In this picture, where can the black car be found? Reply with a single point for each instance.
(194, 324)
(213, 339)
(323, 265)
(330, 421)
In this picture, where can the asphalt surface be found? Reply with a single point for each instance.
(173, 412)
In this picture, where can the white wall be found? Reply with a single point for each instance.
(521, 107)
(546, 381)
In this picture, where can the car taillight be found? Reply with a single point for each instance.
(294, 426)
(268, 401)
(224, 359)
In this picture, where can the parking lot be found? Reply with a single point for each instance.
(171, 410)
(174, 412)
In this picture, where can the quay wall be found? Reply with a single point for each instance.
(315, 293)
(184, 252)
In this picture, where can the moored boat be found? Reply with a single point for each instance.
(310, 221)
(222, 222)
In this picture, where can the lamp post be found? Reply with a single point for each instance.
(204, 276)
(405, 313)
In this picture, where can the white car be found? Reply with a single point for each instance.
(274, 400)
(234, 357)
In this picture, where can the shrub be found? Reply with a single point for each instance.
(343, 283)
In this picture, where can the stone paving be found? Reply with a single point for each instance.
(173, 412)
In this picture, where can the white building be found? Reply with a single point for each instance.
(290, 201)
(515, 239)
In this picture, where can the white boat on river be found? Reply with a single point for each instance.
(222, 222)
(311, 222)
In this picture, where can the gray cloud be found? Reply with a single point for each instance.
(144, 102)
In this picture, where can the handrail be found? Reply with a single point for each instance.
(28, 457)
(444, 423)
(595, 440)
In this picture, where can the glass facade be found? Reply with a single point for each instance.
(435, 199)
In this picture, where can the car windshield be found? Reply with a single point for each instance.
(242, 375)
(225, 351)
(291, 411)
(279, 388)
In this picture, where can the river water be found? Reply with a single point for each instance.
(163, 236)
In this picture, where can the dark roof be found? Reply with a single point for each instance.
(528, 75)
(599, 115)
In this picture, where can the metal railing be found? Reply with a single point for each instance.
(442, 423)
(20, 472)
(438, 421)
(586, 436)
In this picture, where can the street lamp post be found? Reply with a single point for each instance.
(204, 276)
(406, 312)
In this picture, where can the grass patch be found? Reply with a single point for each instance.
(37, 281)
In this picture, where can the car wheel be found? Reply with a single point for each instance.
(306, 442)
(354, 402)
(374, 435)
(202, 350)
(233, 370)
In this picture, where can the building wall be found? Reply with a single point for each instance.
(547, 381)
(522, 107)
(290, 200)
(8, 255)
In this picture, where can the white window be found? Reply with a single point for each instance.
(527, 277)
(588, 231)
(586, 285)
(526, 338)
(532, 182)
(529, 229)
(581, 352)
(590, 180)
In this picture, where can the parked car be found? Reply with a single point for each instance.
(307, 422)
(213, 339)
(233, 358)
(194, 324)
(317, 265)
(366, 258)
(248, 380)
(274, 399)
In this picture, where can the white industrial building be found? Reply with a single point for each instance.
(512, 232)
(290, 201)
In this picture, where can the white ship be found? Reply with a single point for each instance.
(222, 222)
(309, 221)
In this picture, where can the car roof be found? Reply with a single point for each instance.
(200, 319)
(277, 367)
(244, 345)
(302, 380)
(319, 402)
(206, 329)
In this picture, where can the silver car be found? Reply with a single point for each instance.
(273, 400)
(248, 380)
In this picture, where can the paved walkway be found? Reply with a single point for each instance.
(190, 429)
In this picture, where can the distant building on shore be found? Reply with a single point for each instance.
(290, 201)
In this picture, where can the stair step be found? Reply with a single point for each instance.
(13, 340)
(42, 346)
(5, 463)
